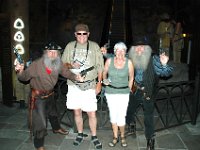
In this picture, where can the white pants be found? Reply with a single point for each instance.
(117, 104)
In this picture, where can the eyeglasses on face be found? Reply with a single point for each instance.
(85, 33)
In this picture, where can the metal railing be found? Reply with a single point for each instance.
(176, 103)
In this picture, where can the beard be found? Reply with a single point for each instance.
(140, 61)
(52, 63)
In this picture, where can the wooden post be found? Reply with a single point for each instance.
(19, 9)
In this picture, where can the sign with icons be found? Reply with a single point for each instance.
(20, 49)
(19, 17)
(18, 24)
(19, 36)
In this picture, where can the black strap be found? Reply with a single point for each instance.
(114, 87)
(74, 53)
(87, 81)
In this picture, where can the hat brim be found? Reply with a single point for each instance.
(140, 43)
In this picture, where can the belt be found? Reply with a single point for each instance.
(41, 93)
(142, 88)
(138, 86)
(87, 81)
(114, 87)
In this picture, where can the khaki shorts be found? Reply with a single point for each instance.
(78, 99)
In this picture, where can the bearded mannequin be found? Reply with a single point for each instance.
(52, 63)
(140, 60)
(43, 75)
(147, 67)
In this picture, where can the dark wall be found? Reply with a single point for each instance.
(6, 60)
(55, 20)
(196, 35)
(38, 26)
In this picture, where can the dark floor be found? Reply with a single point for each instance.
(14, 135)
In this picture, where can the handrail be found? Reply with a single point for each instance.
(176, 103)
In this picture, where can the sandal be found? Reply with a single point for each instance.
(78, 140)
(123, 142)
(96, 142)
(113, 142)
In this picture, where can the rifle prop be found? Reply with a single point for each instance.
(84, 72)
(18, 56)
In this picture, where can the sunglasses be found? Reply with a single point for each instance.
(82, 33)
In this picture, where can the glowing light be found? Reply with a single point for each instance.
(184, 34)
(20, 49)
(16, 62)
(18, 24)
(19, 36)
